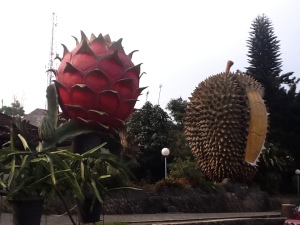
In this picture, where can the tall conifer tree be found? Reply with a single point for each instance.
(265, 66)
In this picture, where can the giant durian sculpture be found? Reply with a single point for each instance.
(226, 124)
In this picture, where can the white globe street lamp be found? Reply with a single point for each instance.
(297, 172)
(165, 152)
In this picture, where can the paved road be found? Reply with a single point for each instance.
(6, 219)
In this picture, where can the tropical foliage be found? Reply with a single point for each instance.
(177, 110)
(93, 168)
(275, 158)
(151, 126)
(32, 173)
(189, 170)
(179, 145)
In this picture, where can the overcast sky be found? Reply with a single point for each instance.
(180, 42)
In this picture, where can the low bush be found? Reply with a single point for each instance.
(171, 183)
(189, 170)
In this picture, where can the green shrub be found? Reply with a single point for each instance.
(189, 170)
(269, 182)
(170, 183)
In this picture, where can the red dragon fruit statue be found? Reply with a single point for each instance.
(97, 83)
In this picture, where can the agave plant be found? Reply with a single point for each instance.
(27, 163)
(36, 173)
(97, 83)
(33, 173)
(92, 168)
(39, 172)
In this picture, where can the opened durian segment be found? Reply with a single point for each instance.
(257, 127)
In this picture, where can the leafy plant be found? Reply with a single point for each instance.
(32, 173)
(270, 182)
(170, 183)
(39, 171)
(185, 168)
(93, 168)
(275, 158)
(177, 109)
(150, 126)
(190, 171)
(275, 167)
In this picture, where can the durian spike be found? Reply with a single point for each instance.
(229, 64)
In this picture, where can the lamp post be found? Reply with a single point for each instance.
(297, 172)
(165, 152)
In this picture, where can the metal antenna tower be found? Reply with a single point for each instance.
(159, 94)
(53, 49)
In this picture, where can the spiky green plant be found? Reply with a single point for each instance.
(30, 172)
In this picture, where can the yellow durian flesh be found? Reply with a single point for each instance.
(257, 127)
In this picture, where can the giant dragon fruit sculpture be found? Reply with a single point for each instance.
(97, 83)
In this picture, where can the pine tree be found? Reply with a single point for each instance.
(264, 57)
(265, 66)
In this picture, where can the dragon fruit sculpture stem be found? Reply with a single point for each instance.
(97, 83)
(49, 133)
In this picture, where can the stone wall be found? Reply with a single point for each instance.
(189, 201)
(180, 200)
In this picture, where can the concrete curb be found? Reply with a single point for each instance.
(161, 218)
